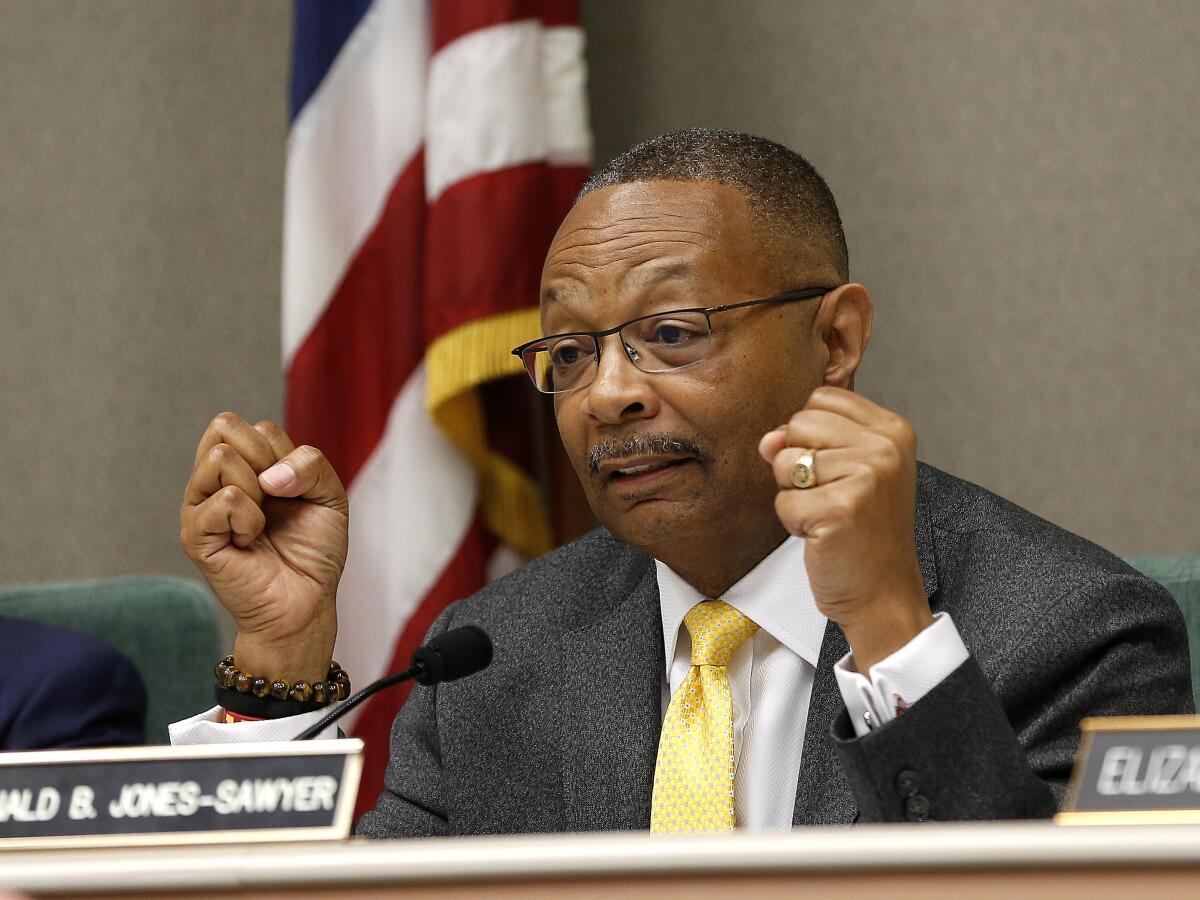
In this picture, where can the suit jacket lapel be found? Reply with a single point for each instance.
(822, 794)
(611, 714)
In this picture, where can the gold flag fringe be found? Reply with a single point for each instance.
(455, 364)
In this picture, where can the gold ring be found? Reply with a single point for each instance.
(804, 469)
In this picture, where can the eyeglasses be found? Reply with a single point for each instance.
(660, 342)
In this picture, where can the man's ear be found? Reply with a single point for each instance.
(844, 323)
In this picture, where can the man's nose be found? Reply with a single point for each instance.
(620, 390)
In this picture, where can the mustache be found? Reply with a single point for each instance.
(648, 444)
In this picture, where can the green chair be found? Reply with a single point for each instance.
(1181, 576)
(167, 626)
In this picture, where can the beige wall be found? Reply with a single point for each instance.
(1019, 183)
(141, 155)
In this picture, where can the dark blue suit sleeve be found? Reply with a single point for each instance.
(61, 689)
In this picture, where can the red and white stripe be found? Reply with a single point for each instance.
(434, 125)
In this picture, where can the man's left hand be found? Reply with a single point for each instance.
(857, 520)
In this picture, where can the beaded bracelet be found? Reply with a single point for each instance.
(263, 698)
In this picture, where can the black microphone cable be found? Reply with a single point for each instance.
(455, 654)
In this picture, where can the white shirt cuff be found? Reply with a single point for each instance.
(900, 680)
(210, 728)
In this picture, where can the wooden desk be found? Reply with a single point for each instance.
(891, 862)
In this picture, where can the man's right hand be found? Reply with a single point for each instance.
(266, 523)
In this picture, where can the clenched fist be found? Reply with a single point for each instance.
(857, 520)
(266, 524)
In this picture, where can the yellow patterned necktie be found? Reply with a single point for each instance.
(693, 779)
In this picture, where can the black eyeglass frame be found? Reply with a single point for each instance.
(707, 311)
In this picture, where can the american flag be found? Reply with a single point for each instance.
(434, 147)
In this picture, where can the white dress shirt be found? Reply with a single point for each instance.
(210, 727)
(771, 676)
(770, 679)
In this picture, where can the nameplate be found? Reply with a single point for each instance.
(1133, 769)
(205, 793)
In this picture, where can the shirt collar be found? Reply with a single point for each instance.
(775, 594)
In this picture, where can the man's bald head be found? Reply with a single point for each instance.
(792, 202)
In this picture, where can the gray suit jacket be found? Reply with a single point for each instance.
(561, 732)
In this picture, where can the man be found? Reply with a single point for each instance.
(785, 619)
(66, 690)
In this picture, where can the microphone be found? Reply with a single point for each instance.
(454, 654)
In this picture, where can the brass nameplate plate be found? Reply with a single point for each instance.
(204, 793)
(1135, 769)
